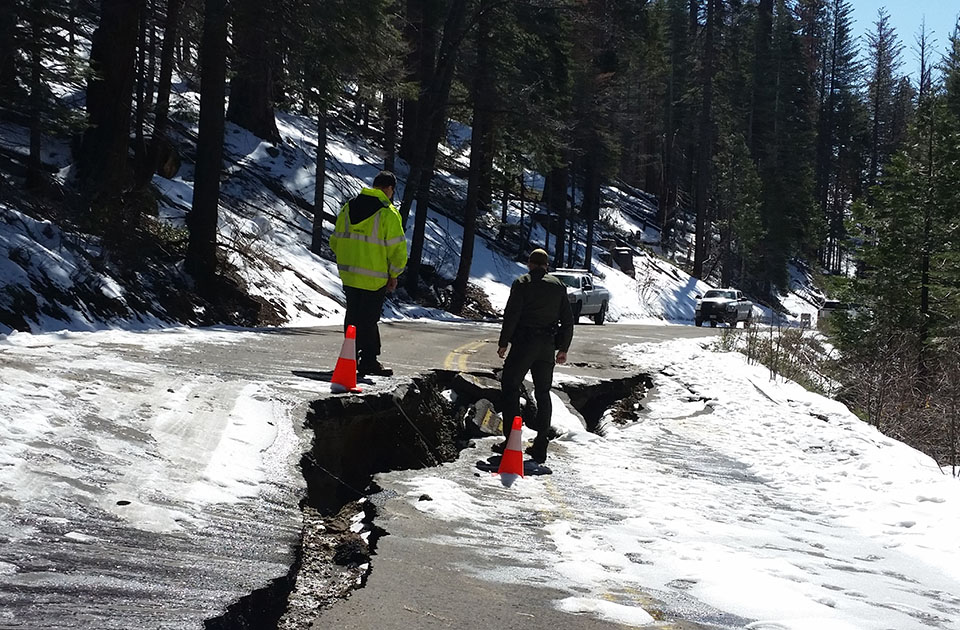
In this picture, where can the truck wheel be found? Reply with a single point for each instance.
(698, 321)
(746, 323)
(713, 323)
(601, 315)
(576, 311)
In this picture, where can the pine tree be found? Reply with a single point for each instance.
(884, 51)
(431, 123)
(951, 72)
(160, 146)
(9, 51)
(781, 139)
(338, 32)
(705, 140)
(735, 187)
(912, 274)
(653, 72)
(839, 78)
(103, 165)
(676, 153)
(484, 99)
(201, 260)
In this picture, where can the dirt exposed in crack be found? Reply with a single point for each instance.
(334, 560)
(355, 437)
(618, 400)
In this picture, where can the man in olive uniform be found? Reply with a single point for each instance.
(371, 251)
(538, 326)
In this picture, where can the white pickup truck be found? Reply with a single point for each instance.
(585, 295)
(727, 306)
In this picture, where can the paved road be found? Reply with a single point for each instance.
(157, 474)
(411, 347)
(422, 576)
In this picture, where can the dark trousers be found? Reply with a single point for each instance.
(363, 311)
(535, 355)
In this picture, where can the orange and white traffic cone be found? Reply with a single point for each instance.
(345, 374)
(512, 461)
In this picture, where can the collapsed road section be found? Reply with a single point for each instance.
(418, 425)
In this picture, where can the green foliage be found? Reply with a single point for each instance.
(737, 195)
(910, 230)
(335, 42)
(534, 84)
(48, 31)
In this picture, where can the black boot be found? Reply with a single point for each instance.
(538, 451)
(373, 368)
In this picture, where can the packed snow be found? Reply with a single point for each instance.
(735, 500)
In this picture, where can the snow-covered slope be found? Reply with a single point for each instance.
(265, 227)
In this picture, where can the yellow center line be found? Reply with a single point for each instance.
(457, 359)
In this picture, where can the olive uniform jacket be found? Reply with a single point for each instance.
(537, 306)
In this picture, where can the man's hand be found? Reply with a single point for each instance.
(561, 357)
(391, 285)
(502, 351)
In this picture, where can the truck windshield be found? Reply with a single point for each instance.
(727, 295)
(570, 281)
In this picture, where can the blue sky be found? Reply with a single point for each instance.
(906, 17)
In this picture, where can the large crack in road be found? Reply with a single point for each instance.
(155, 479)
(421, 424)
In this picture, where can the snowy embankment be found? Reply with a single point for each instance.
(55, 280)
(735, 501)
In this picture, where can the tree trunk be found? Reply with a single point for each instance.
(319, 192)
(390, 122)
(8, 47)
(201, 261)
(504, 205)
(34, 165)
(139, 145)
(151, 51)
(556, 189)
(419, 114)
(571, 229)
(433, 112)
(591, 202)
(523, 195)
(760, 116)
(485, 200)
(103, 165)
(483, 93)
(157, 142)
(251, 88)
(420, 34)
(705, 146)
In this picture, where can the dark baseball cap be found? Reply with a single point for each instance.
(539, 257)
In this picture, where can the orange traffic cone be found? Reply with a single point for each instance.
(345, 374)
(512, 461)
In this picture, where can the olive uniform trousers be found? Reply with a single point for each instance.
(533, 352)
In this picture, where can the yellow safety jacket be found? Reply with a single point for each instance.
(372, 250)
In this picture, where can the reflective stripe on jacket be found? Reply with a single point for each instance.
(372, 250)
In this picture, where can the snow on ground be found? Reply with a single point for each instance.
(42, 270)
(153, 434)
(267, 236)
(735, 501)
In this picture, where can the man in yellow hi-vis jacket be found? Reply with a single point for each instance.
(371, 252)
